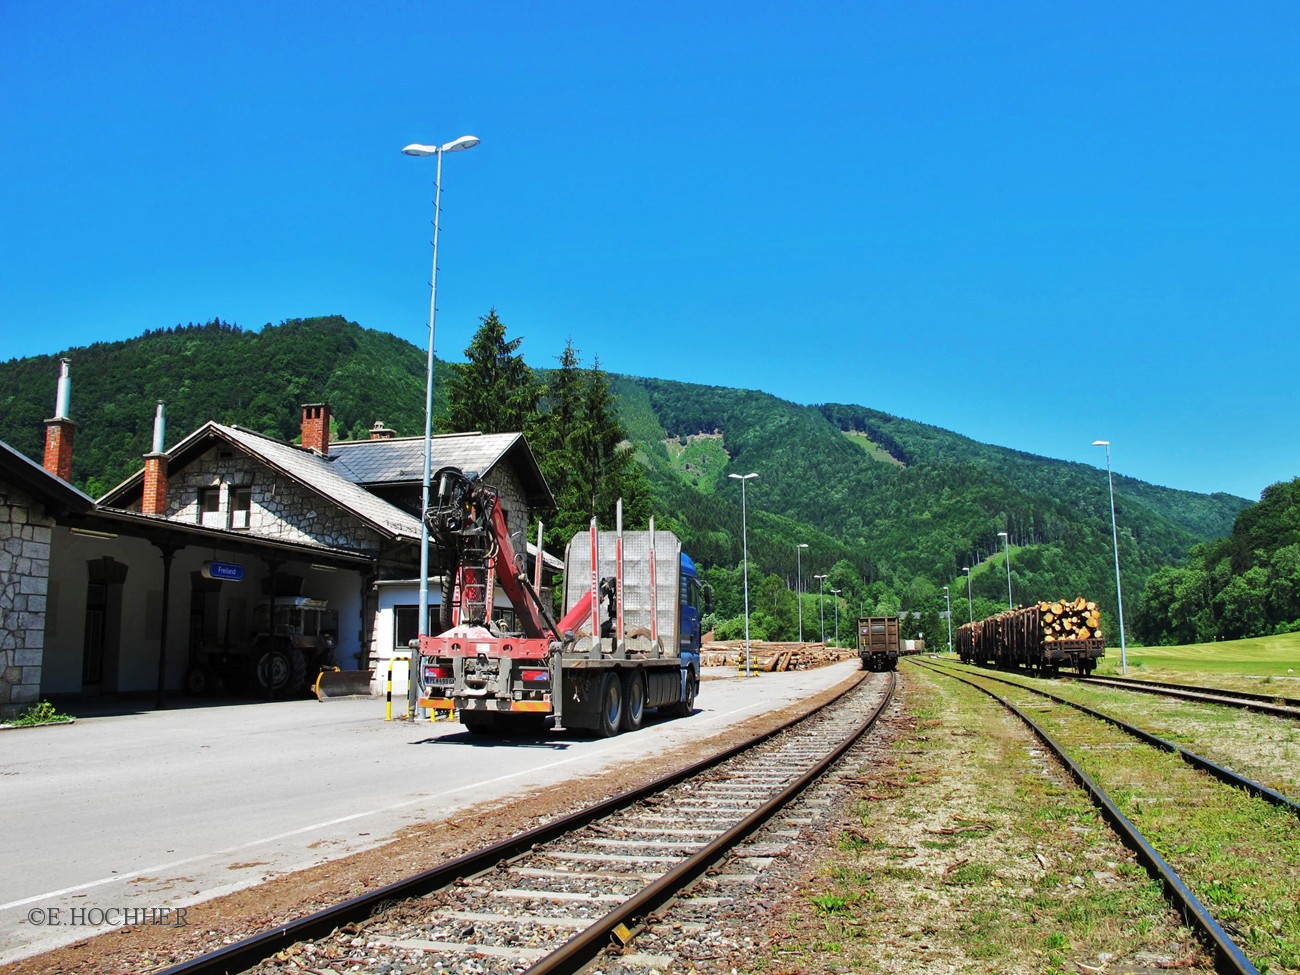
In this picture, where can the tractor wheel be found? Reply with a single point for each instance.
(198, 681)
(633, 700)
(297, 671)
(272, 672)
(609, 701)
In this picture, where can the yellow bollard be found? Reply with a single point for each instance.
(388, 692)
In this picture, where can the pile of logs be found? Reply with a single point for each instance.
(769, 657)
(1076, 619)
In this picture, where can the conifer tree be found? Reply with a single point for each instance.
(495, 391)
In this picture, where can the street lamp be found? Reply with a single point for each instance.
(836, 594)
(744, 536)
(821, 603)
(415, 149)
(1114, 537)
(948, 599)
(798, 582)
(970, 602)
(1004, 537)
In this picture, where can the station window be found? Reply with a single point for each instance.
(405, 626)
(241, 505)
(210, 507)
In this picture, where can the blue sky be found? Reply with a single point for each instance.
(1035, 224)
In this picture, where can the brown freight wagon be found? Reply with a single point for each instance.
(878, 642)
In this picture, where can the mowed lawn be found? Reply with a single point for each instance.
(1273, 661)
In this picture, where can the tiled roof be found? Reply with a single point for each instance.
(327, 476)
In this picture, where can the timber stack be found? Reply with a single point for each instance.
(1076, 619)
(765, 656)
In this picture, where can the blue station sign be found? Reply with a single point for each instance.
(225, 571)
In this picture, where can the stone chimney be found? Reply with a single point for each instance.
(59, 429)
(154, 500)
(381, 432)
(316, 427)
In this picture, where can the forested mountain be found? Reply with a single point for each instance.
(891, 509)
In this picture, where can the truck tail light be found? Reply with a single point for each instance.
(437, 673)
(534, 675)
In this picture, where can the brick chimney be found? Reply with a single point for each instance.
(381, 432)
(59, 429)
(154, 501)
(316, 427)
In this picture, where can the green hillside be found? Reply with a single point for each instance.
(891, 508)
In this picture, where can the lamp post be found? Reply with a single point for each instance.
(1114, 537)
(1004, 537)
(744, 536)
(970, 602)
(415, 149)
(821, 603)
(798, 582)
(947, 598)
(836, 594)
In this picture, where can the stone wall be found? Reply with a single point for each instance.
(24, 582)
(280, 507)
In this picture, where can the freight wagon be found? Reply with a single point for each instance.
(878, 642)
(1042, 638)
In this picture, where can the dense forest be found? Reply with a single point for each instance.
(889, 510)
(1247, 584)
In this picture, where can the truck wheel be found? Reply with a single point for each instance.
(478, 723)
(609, 718)
(685, 708)
(272, 673)
(633, 700)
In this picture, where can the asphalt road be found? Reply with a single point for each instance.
(170, 808)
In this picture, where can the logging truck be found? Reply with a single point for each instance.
(1043, 638)
(629, 638)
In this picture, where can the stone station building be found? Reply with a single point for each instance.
(118, 596)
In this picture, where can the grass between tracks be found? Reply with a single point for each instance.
(1238, 854)
(968, 850)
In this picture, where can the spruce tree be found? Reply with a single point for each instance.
(495, 391)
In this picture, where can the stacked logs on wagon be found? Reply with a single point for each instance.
(1042, 636)
(1076, 619)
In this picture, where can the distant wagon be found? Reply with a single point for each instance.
(878, 643)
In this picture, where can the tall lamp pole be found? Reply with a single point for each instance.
(1114, 537)
(798, 582)
(970, 602)
(947, 598)
(744, 536)
(1006, 539)
(836, 594)
(415, 149)
(821, 603)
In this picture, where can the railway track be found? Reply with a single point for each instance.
(1177, 819)
(1283, 707)
(555, 898)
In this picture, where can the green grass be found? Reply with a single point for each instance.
(873, 449)
(1265, 656)
(700, 459)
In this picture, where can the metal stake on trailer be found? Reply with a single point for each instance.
(618, 576)
(595, 593)
(654, 593)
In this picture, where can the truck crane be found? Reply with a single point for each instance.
(629, 638)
